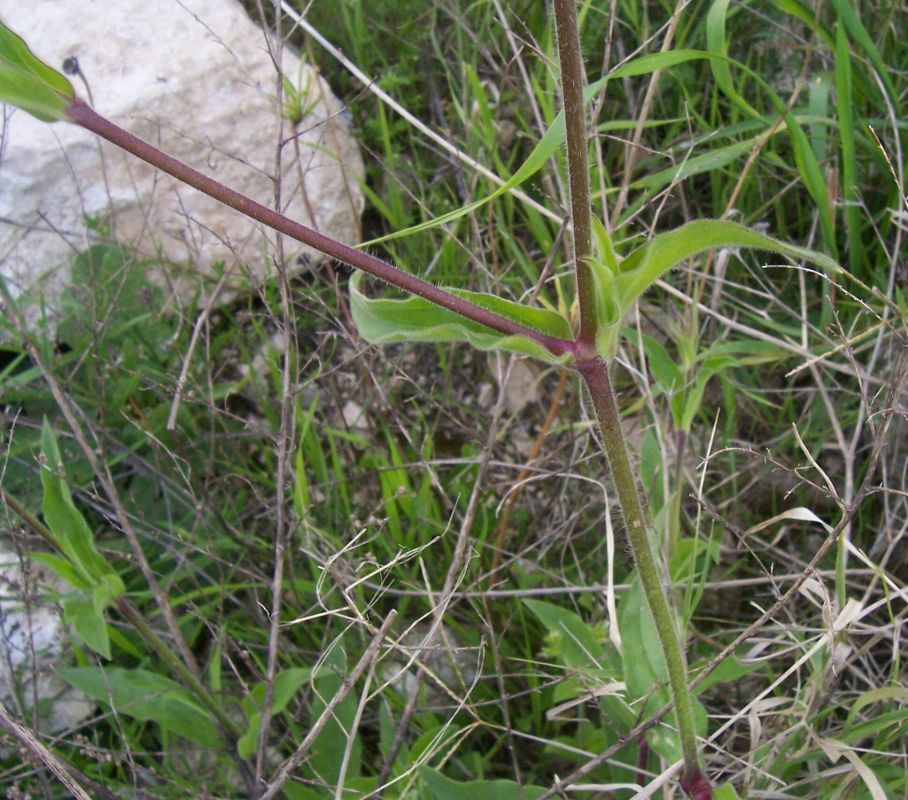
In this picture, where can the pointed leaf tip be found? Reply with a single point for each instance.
(28, 83)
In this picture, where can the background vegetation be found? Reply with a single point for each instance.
(459, 490)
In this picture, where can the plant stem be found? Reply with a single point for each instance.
(595, 374)
(82, 114)
(572, 82)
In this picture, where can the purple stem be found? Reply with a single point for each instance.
(82, 114)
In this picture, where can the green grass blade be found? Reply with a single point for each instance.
(848, 177)
(862, 38)
(805, 159)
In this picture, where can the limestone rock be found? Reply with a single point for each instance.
(194, 77)
(32, 646)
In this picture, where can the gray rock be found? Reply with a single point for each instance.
(196, 78)
(32, 645)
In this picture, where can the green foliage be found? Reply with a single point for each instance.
(442, 788)
(149, 697)
(97, 583)
(385, 321)
(29, 83)
(374, 508)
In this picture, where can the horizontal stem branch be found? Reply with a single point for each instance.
(82, 114)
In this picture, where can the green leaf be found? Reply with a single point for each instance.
(641, 651)
(661, 365)
(849, 158)
(725, 791)
(62, 568)
(413, 319)
(28, 83)
(578, 645)
(81, 611)
(328, 749)
(804, 157)
(858, 33)
(646, 672)
(643, 267)
(442, 788)
(286, 684)
(706, 162)
(147, 696)
(71, 531)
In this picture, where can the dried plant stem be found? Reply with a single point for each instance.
(291, 764)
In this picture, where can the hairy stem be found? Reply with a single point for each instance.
(82, 114)
(595, 374)
(572, 82)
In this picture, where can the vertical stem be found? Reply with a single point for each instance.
(595, 374)
(572, 83)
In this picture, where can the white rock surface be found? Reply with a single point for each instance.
(32, 638)
(195, 77)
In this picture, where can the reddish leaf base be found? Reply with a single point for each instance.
(696, 785)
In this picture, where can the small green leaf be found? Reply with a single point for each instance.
(81, 611)
(108, 589)
(385, 321)
(71, 531)
(28, 83)
(661, 365)
(442, 788)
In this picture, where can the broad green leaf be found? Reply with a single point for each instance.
(328, 749)
(645, 670)
(641, 651)
(62, 568)
(147, 696)
(413, 319)
(286, 684)
(725, 791)
(72, 534)
(579, 647)
(28, 83)
(442, 788)
(81, 611)
(643, 267)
